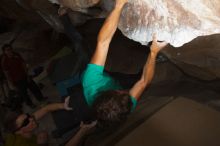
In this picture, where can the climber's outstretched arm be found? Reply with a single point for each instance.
(148, 71)
(106, 33)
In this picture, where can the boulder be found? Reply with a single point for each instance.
(74, 4)
(199, 58)
(174, 21)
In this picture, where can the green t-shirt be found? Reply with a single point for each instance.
(95, 81)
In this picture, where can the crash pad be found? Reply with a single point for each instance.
(182, 122)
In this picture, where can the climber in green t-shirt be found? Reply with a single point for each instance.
(110, 102)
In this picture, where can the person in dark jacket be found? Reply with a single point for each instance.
(16, 72)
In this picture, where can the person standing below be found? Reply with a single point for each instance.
(16, 72)
(21, 128)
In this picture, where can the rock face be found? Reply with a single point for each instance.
(45, 10)
(35, 45)
(73, 4)
(11, 9)
(174, 21)
(199, 59)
